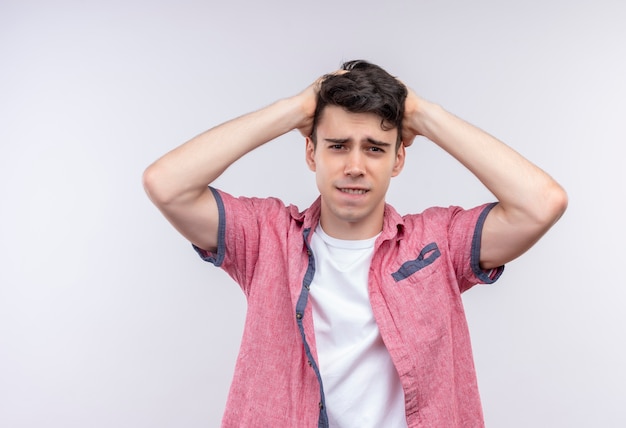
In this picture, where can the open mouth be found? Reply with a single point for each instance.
(354, 191)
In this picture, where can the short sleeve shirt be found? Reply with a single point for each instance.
(421, 265)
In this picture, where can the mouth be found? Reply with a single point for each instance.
(352, 191)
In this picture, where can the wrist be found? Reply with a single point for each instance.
(423, 117)
(289, 113)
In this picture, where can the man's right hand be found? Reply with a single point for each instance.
(308, 101)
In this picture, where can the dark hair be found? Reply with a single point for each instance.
(365, 88)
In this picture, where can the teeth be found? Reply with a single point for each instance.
(354, 191)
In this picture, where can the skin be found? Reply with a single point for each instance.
(530, 201)
(354, 161)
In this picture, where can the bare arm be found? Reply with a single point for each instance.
(177, 183)
(530, 201)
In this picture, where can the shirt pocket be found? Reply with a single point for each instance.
(426, 257)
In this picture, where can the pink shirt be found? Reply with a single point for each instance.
(421, 265)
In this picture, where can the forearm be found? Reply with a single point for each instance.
(519, 185)
(186, 171)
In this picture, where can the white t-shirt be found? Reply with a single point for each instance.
(361, 385)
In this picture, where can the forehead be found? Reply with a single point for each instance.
(337, 120)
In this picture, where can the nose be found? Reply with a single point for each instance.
(355, 166)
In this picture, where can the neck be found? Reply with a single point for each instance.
(352, 229)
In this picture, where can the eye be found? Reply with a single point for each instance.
(375, 149)
(336, 146)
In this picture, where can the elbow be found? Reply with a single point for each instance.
(166, 188)
(154, 184)
(555, 204)
(542, 213)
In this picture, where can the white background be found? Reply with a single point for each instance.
(108, 318)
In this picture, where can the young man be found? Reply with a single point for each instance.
(354, 314)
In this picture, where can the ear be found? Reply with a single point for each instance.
(310, 153)
(399, 162)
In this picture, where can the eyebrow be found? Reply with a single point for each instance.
(347, 140)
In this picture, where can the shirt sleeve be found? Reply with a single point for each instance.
(464, 237)
(244, 223)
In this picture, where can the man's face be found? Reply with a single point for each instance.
(353, 163)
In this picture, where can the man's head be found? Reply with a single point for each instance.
(355, 148)
(363, 88)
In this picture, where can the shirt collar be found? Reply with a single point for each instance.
(393, 223)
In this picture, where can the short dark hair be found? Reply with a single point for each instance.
(365, 88)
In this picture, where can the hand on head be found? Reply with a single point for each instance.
(372, 81)
(409, 129)
(309, 102)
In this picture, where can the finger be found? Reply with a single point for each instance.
(321, 79)
(407, 141)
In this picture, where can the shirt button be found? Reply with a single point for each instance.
(321, 405)
(310, 363)
(299, 315)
